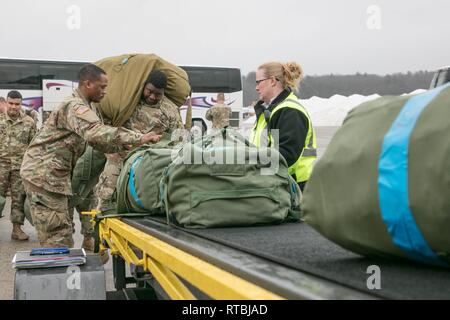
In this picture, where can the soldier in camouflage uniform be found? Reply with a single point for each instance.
(16, 132)
(156, 113)
(219, 114)
(2, 110)
(49, 161)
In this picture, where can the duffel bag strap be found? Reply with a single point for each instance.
(294, 212)
(163, 195)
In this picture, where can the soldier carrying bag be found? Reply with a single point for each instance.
(127, 75)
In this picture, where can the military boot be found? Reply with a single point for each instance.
(18, 234)
(88, 243)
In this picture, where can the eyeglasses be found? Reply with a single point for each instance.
(259, 81)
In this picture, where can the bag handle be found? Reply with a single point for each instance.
(199, 197)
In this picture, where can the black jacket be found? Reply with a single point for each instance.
(292, 124)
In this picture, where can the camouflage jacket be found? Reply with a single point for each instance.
(219, 115)
(52, 155)
(163, 117)
(15, 136)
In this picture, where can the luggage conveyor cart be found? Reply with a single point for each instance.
(181, 263)
(288, 261)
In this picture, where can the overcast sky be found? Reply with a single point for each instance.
(324, 36)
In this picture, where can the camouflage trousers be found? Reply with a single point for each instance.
(50, 213)
(88, 204)
(87, 229)
(106, 185)
(10, 179)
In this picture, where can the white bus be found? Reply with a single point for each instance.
(37, 80)
(206, 83)
(44, 84)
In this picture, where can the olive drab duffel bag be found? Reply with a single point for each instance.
(127, 74)
(382, 186)
(137, 189)
(86, 174)
(220, 180)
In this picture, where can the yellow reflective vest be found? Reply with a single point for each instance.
(302, 168)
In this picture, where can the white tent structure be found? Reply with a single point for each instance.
(326, 111)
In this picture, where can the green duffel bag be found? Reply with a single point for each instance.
(137, 189)
(381, 188)
(221, 180)
(127, 74)
(2, 205)
(86, 174)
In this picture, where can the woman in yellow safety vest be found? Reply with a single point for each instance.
(281, 121)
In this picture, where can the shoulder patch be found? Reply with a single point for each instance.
(82, 109)
(87, 114)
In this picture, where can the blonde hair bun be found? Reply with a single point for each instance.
(294, 70)
(289, 74)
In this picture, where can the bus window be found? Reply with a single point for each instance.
(209, 80)
(206, 83)
(19, 76)
(59, 72)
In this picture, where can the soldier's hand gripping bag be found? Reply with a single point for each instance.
(220, 180)
(382, 186)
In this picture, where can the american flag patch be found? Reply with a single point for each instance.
(82, 110)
